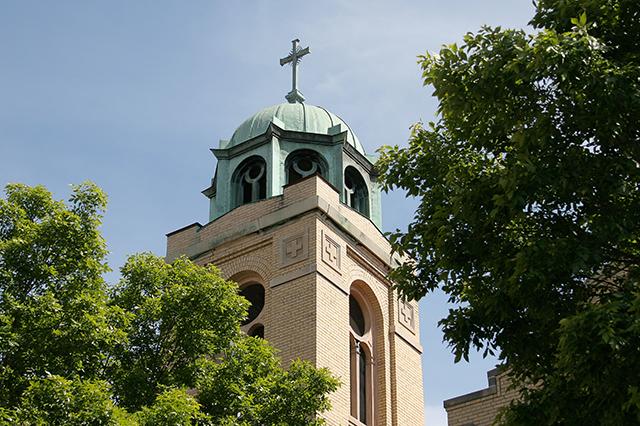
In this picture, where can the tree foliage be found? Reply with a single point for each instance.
(529, 214)
(55, 318)
(179, 313)
(161, 347)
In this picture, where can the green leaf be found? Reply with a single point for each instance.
(529, 205)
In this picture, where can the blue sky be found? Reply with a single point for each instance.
(132, 95)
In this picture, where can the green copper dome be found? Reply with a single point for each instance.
(296, 117)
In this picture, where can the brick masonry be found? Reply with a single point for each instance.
(309, 251)
(480, 408)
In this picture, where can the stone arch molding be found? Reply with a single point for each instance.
(355, 273)
(246, 276)
(251, 265)
(369, 298)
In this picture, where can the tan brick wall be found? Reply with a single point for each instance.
(481, 408)
(333, 344)
(306, 313)
(410, 398)
(289, 307)
(292, 325)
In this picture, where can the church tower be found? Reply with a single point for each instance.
(295, 219)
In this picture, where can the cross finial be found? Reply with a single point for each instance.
(294, 59)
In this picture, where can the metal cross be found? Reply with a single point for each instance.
(294, 59)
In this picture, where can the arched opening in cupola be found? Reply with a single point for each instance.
(356, 194)
(303, 163)
(250, 181)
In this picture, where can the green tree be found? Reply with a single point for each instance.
(172, 407)
(54, 313)
(154, 349)
(55, 400)
(185, 333)
(529, 214)
(180, 313)
(245, 385)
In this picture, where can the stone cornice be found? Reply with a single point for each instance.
(290, 135)
(312, 203)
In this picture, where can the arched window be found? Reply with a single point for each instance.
(256, 331)
(356, 317)
(361, 365)
(303, 163)
(356, 194)
(250, 181)
(254, 293)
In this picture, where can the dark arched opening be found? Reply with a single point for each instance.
(303, 163)
(256, 331)
(250, 181)
(254, 293)
(356, 194)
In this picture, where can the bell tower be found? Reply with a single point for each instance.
(295, 219)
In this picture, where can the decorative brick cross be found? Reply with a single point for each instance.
(332, 251)
(294, 247)
(406, 313)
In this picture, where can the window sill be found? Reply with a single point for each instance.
(355, 422)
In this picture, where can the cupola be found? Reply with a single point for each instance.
(284, 143)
